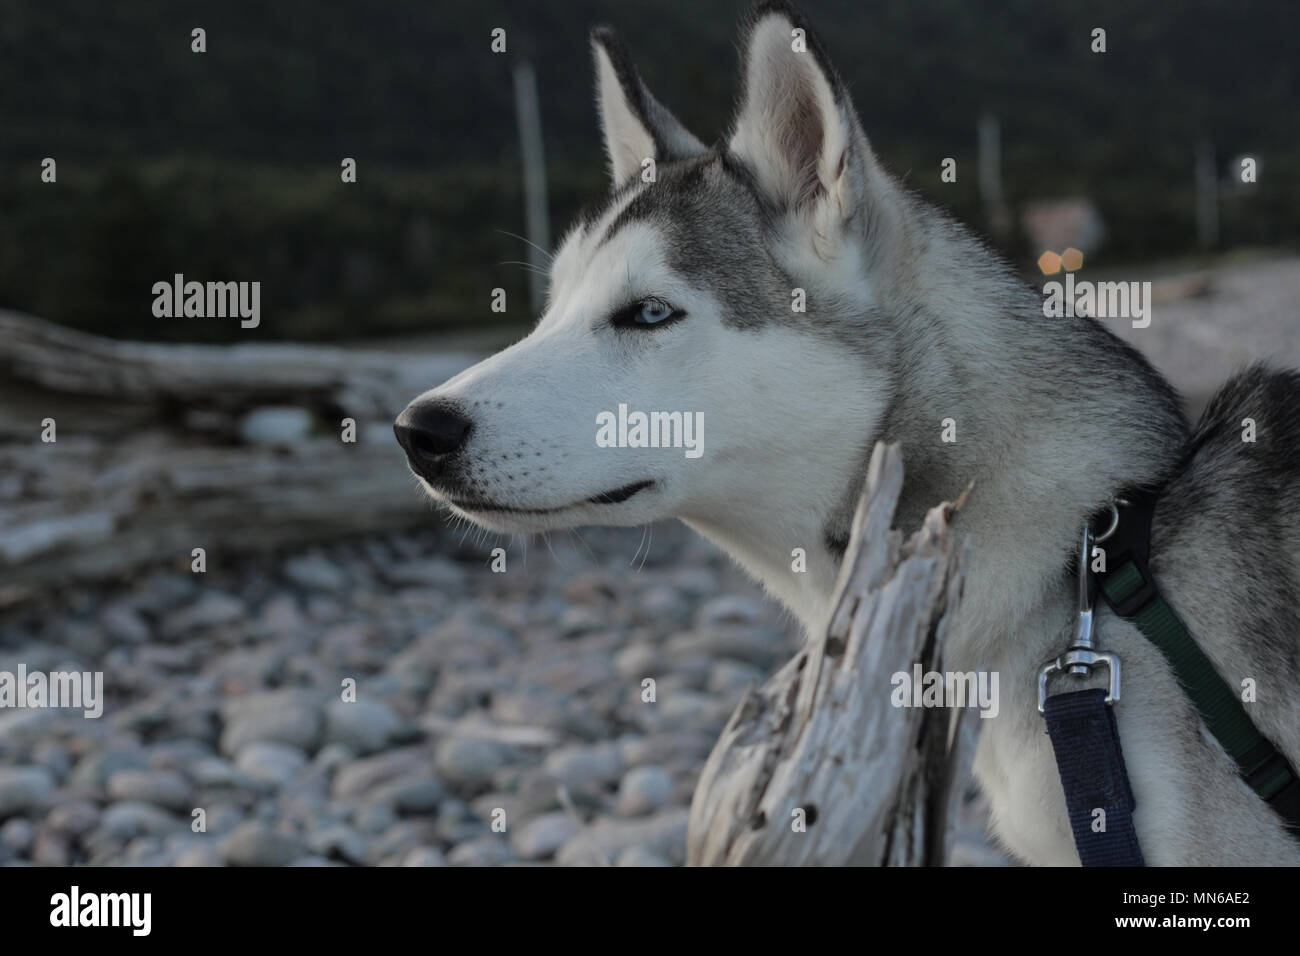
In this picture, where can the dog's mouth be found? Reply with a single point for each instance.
(614, 497)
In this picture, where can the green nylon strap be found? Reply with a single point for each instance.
(1218, 705)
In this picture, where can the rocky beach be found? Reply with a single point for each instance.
(499, 717)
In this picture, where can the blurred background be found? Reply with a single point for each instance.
(227, 163)
(186, 442)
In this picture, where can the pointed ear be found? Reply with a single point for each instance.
(636, 126)
(795, 127)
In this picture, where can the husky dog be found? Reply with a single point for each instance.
(679, 292)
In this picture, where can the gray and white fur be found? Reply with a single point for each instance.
(676, 294)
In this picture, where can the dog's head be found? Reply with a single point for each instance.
(711, 293)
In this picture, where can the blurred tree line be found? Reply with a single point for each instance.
(225, 165)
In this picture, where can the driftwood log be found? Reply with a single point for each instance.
(154, 455)
(818, 767)
(367, 384)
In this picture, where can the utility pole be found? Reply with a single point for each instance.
(537, 219)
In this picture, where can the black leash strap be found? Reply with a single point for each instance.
(1091, 763)
(1085, 740)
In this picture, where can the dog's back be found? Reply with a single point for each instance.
(1226, 544)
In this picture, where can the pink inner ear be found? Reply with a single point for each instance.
(802, 142)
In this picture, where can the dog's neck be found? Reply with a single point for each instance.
(782, 543)
(1051, 418)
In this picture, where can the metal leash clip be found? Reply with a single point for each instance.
(1082, 656)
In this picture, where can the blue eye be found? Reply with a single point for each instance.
(652, 312)
(649, 312)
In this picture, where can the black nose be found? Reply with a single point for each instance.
(431, 433)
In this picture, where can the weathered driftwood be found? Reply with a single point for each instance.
(368, 384)
(151, 461)
(159, 506)
(822, 737)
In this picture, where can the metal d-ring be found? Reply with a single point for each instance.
(1114, 520)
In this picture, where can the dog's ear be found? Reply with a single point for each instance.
(636, 126)
(795, 127)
